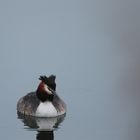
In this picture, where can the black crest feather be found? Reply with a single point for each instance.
(50, 81)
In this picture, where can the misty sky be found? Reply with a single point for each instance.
(84, 43)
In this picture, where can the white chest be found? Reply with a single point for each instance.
(46, 109)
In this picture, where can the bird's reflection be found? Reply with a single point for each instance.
(44, 126)
(45, 135)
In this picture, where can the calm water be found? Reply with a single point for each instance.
(91, 115)
(93, 48)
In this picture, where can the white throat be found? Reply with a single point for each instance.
(46, 109)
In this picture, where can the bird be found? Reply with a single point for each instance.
(44, 101)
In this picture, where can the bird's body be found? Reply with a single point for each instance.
(44, 102)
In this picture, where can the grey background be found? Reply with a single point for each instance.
(92, 47)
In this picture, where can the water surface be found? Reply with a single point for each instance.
(93, 49)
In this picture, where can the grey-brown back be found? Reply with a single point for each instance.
(59, 103)
(28, 104)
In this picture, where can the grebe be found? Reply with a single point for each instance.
(44, 102)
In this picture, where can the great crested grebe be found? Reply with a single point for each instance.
(44, 102)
